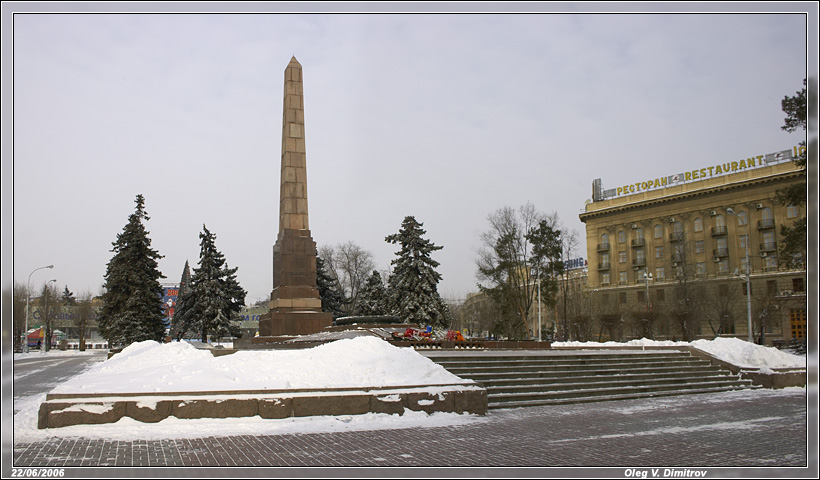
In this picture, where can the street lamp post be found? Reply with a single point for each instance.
(538, 286)
(28, 295)
(47, 331)
(647, 277)
(730, 211)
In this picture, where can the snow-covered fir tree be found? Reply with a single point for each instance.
(413, 284)
(180, 321)
(215, 295)
(329, 291)
(373, 297)
(132, 301)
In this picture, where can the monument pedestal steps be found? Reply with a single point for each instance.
(518, 379)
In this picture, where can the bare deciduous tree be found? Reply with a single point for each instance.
(83, 316)
(505, 262)
(350, 265)
(19, 295)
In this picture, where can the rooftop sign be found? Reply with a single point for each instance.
(599, 194)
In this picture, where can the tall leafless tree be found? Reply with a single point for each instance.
(19, 295)
(83, 316)
(505, 262)
(350, 265)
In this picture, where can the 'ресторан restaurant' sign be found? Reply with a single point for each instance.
(697, 174)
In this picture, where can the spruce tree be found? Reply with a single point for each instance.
(332, 297)
(215, 298)
(413, 285)
(180, 322)
(794, 248)
(68, 298)
(373, 297)
(132, 302)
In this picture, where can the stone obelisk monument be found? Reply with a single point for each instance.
(295, 306)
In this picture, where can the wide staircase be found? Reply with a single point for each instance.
(527, 379)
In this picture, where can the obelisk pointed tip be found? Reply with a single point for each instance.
(293, 60)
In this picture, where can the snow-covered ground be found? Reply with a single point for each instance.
(732, 350)
(364, 361)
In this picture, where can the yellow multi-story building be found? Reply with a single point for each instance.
(668, 257)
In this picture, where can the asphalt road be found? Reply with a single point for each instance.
(40, 373)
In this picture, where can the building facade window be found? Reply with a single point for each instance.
(766, 214)
(792, 211)
(770, 263)
(622, 280)
(658, 252)
(699, 246)
(697, 225)
(721, 248)
(700, 269)
(769, 242)
(621, 237)
(659, 274)
(742, 219)
(622, 257)
(723, 265)
(605, 278)
(743, 239)
(771, 287)
(604, 240)
(658, 231)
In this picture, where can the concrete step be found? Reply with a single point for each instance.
(573, 377)
(611, 397)
(555, 367)
(469, 362)
(603, 383)
(533, 379)
(558, 374)
(483, 357)
(585, 392)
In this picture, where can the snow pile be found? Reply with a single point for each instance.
(733, 350)
(179, 367)
(744, 354)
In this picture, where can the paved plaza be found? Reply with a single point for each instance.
(718, 433)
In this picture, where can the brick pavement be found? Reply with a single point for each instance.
(699, 430)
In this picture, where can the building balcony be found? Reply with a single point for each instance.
(719, 231)
(639, 262)
(603, 266)
(768, 247)
(638, 242)
(720, 252)
(676, 237)
(765, 224)
(603, 247)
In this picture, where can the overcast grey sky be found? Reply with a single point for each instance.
(443, 117)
